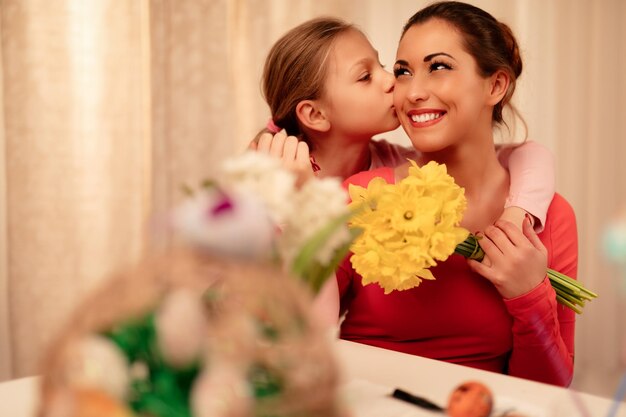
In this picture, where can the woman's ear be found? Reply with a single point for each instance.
(499, 85)
(312, 115)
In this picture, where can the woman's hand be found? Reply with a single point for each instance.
(293, 153)
(518, 261)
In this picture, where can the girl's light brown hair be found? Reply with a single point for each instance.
(296, 67)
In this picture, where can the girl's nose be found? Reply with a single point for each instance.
(389, 82)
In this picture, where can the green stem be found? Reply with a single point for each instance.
(566, 303)
(569, 292)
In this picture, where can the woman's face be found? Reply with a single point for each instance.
(358, 90)
(439, 97)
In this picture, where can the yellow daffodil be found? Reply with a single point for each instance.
(406, 227)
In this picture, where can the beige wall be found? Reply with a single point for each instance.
(109, 106)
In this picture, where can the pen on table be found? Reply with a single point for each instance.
(415, 400)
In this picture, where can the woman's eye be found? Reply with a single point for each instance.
(365, 77)
(397, 72)
(438, 66)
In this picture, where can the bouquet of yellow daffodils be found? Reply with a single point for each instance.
(408, 226)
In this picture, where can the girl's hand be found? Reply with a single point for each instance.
(516, 215)
(518, 259)
(293, 153)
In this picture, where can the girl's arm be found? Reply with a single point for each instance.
(531, 168)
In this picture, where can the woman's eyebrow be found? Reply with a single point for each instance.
(427, 58)
(431, 56)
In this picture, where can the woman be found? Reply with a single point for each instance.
(455, 72)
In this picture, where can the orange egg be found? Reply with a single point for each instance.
(470, 399)
(96, 403)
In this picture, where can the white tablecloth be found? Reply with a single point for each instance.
(371, 374)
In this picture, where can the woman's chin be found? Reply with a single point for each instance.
(427, 145)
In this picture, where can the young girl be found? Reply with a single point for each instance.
(455, 71)
(327, 90)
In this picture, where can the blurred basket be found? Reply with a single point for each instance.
(261, 352)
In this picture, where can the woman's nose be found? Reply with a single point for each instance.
(417, 91)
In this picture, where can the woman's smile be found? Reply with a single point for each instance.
(425, 117)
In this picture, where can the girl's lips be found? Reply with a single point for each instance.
(425, 117)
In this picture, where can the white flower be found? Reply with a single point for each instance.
(232, 218)
(181, 327)
(221, 391)
(230, 224)
(318, 202)
(263, 176)
(96, 362)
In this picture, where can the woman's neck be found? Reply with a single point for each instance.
(475, 167)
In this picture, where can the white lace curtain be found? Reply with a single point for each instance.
(109, 106)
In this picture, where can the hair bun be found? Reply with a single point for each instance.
(513, 49)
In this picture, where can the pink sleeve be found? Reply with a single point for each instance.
(531, 167)
(543, 330)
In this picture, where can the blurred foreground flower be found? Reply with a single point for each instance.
(408, 226)
(614, 239)
(254, 210)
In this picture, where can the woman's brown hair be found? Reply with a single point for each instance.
(296, 67)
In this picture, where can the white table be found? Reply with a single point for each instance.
(435, 380)
(372, 373)
(18, 398)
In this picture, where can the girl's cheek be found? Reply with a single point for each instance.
(398, 99)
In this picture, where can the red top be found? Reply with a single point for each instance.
(461, 318)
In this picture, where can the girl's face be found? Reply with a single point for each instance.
(358, 93)
(440, 98)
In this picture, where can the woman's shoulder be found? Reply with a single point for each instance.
(363, 178)
(560, 237)
(560, 208)
(387, 154)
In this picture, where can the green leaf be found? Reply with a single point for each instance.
(305, 264)
(317, 274)
(264, 381)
